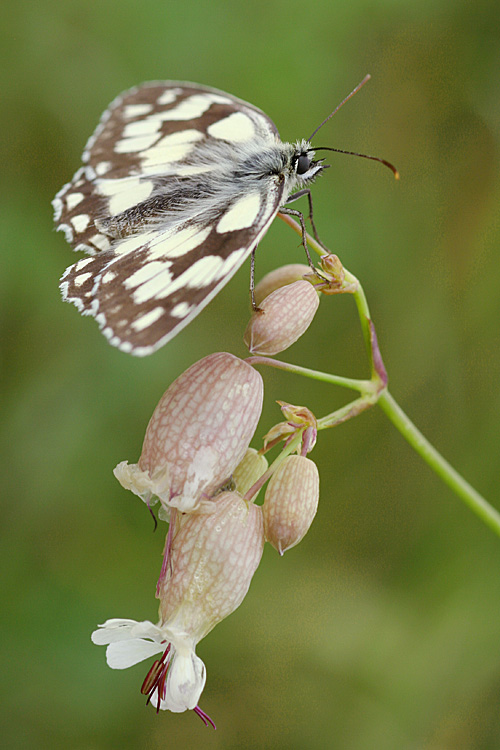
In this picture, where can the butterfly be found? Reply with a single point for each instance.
(180, 182)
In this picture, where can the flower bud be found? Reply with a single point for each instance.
(198, 434)
(291, 502)
(279, 277)
(214, 556)
(251, 467)
(298, 418)
(282, 318)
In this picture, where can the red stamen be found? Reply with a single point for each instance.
(156, 679)
(204, 717)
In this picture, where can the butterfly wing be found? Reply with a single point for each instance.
(151, 276)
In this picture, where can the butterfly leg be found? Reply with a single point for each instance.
(255, 307)
(300, 194)
(300, 217)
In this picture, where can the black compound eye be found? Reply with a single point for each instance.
(303, 164)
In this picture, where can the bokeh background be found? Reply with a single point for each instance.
(382, 629)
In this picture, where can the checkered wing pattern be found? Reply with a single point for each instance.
(166, 207)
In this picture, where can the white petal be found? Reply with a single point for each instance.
(127, 653)
(117, 629)
(185, 682)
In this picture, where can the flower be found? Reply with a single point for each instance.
(298, 418)
(198, 434)
(212, 559)
(182, 676)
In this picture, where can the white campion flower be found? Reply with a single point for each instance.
(198, 434)
(179, 675)
(212, 559)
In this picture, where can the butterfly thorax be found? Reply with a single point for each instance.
(211, 175)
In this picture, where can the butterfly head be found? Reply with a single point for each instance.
(305, 166)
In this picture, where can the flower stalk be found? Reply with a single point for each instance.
(375, 391)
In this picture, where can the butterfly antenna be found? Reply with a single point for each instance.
(354, 91)
(363, 156)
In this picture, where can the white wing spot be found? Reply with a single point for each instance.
(191, 135)
(189, 109)
(80, 222)
(135, 242)
(179, 243)
(168, 97)
(241, 215)
(200, 274)
(136, 143)
(124, 193)
(236, 127)
(102, 168)
(57, 205)
(231, 262)
(100, 241)
(136, 110)
(146, 273)
(82, 263)
(142, 127)
(79, 280)
(108, 277)
(155, 287)
(218, 99)
(171, 148)
(146, 320)
(163, 155)
(73, 199)
(181, 310)
(68, 232)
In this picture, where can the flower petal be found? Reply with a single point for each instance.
(125, 654)
(185, 682)
(117, 629)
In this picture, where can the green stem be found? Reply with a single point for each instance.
(355, 384)
(443, 469)
(364, 316)
(359, 295)
(377, 391)
(346, 412)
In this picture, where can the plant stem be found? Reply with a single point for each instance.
(378, 392)
(355, 384)
(443, 469)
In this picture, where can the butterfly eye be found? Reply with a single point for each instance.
(303, 164)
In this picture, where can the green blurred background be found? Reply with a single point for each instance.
(382, 629)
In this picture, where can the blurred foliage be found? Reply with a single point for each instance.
(382, 629)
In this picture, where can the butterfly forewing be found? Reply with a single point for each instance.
(165, 207)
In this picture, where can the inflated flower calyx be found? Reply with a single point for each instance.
(279, 277)
(291, 502)
(214, 556)
(198, 434)
(282, 317)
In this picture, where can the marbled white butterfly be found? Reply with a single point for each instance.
(179, 184)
